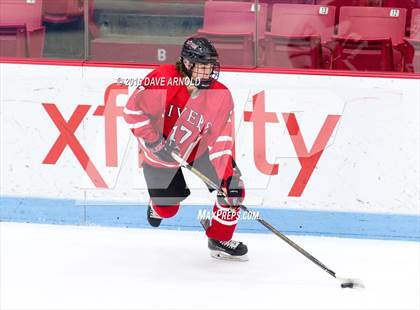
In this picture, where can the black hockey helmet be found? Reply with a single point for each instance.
(199, 50)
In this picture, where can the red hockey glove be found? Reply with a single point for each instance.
(163, 149)
(234, 190)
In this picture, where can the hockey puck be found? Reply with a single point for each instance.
(347, 285)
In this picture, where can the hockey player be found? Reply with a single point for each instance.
(182, 108)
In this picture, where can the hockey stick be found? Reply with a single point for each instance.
(345, 282)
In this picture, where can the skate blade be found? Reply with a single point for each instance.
(224, 256)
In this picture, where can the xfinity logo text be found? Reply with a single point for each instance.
(258, 117)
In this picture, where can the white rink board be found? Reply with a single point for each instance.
(370, 163)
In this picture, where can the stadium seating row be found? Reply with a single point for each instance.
(406, 4)
(366, 38)
(22, 30)
(368, 35)
(297, 36)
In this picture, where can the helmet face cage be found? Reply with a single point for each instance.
(200, 51)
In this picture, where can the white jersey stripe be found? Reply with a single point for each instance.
(221, 207)
(139, 124)
(132, 112)
(227, 223)
(224, 138)
(219, 154)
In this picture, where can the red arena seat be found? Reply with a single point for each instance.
(367, 38)
(413, 44)
(288, 1)
(13, 41)
(415, 25)
(62, 11)
(339, 3)
(323, 2)
(406, 4)
(297, 34)
(21, 30)
(271, 2)
(231, 26)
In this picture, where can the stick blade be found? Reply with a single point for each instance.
(351, 283)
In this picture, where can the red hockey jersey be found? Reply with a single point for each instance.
(162, 105)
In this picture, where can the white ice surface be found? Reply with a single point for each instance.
(67, 267)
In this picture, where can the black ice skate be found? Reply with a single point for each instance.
(227, 250)
(152, 217)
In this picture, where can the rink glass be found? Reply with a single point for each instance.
(320, 35)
